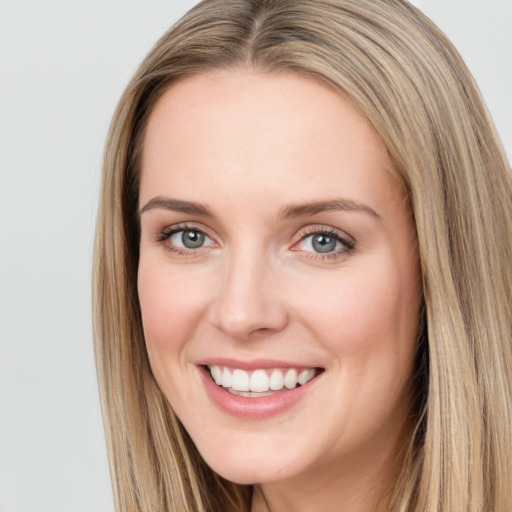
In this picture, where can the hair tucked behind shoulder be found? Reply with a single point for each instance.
(409, 81)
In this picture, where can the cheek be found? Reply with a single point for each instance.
(367, 316)
(369, 323)
(172, 305)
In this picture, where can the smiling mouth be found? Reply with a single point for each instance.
(261, 382)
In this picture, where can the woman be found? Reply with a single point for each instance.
(302, 269)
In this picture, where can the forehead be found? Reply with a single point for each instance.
(252, 134)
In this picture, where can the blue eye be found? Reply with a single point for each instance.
(189, 239)
(320, 242)
(325, 243)
(184, 239)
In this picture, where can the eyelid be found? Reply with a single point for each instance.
(163, 236)
(344, 238)
(322, 228)
(347, 241)
(184, 226)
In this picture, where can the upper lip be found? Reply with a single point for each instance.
(253, 364)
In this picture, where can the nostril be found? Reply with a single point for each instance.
(246, 303)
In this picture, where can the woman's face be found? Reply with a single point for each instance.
(277, 249)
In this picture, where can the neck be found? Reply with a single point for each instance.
(360, 496)
(362, 483)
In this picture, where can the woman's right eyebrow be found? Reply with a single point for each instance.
(176, 205)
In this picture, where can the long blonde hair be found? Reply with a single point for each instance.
(409, 81)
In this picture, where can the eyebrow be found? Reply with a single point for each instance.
(312, 208)
(293, 210)
(176, 205)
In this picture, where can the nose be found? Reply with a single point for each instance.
(248, 301)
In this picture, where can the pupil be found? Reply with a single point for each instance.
(324, 243)
(192, 239)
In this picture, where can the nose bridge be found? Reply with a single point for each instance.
(247, 300)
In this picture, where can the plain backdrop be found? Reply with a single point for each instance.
(63, 65)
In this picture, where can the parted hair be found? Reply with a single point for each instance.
(404, 75)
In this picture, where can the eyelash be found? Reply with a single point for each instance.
(165, 235)
(347, 242)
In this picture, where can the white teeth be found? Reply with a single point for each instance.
(290, 379)
(240, 380)
(227, 378)
(259, 381)
(216, 374)
(276, 380)
(305, 376)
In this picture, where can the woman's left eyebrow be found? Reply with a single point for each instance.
(176, 205)
(314, 207)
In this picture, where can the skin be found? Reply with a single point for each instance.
(246, 145)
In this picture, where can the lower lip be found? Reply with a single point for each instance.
(256, 407)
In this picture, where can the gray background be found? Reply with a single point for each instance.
(63, 65)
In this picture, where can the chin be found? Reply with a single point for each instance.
(243, 465)
(249, 473)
